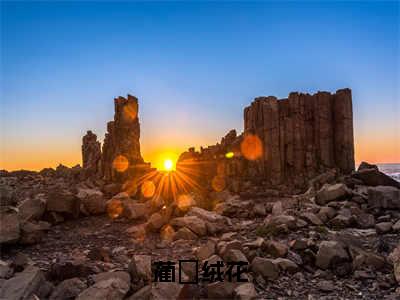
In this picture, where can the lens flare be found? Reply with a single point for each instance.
(229, 155)
(120, 163)
(185, 201)
(251, 147)
(148, 189)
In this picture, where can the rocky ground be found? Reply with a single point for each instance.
(66, 239)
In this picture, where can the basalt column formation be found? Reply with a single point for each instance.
(302, 135)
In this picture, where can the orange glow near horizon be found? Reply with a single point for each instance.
(373, 149)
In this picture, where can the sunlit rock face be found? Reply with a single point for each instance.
(285, 142)
(121, 148)
(302, 135)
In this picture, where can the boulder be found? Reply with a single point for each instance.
(108, 275)
(185, 234)
(113, 288)
(364, 165)
(311, 218)
(206, 250)
(287, 220)
(330, 193)
(341, 221)
(140, 268)
(10, 225)
(245, 291)
(32, 233)
(364, 220)
(133, 210)
(194, 223)
(220, 290)
(330, 252)
(7, 196)
(286, 265)
(32, 209)
(275, 249)
(396, 226)
(155, 222)
(235, 255)
(373, 177)
(68, 289)
(143, 294)
(94, 204)
(383, 227)
(394, 258)
(265, 267)
(384, 197)
(63, 202)
(207, 216)
(23, 285)
(165, 290)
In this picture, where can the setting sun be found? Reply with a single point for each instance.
(168, 165)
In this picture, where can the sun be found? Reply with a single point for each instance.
(168, 165)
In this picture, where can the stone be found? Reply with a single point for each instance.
(286, 265)
(91, 155)
(276, 249)
(341, 221)
(206, 250)
(194, 223)
(373, 177)
(143, 294)
(133, 210)
(330, 252)
(165, 290)
(245, 291)
(384, 197)
(113, 288)
(365, 221)
(383, 227)
(108, 275)
(5, 270)
(326, 286)
(311, 218)
(68, 289)
(326, 213)
(140, 267)
(63, 202)
(23, 285)
(220, 290)
(277, 208)
(396, 226)
(31, 209)
(7, 196)
(207, 216)
(289, 221)
(330, 193)
(256, 244)
(259, 209)
(32, 233)
(94, 204)
(364, 165)
(394, 258)
(155, 222)
(67, 269)
(10, 226)
(234, 255)
(184, 234)
(265, 267)
(137, 231)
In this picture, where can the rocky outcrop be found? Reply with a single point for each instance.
(285, 142)
(302, 135)
(91, 154)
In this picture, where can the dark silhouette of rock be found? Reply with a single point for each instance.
(91, 154)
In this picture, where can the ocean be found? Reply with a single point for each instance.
(393, 170)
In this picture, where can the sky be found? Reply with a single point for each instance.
(193, 65)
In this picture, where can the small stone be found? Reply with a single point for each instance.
(140, 267)
(383, 227)
(206, 250)
(286, 265)
(234, 255)
(396, 226)
(155, 222)
(275, 249)
(330, 193)
(113, 288)
(326, 286)
(329, 252)
(245, 291)
(220, 290)
(265, 267)
(68, 289)
(185, 234)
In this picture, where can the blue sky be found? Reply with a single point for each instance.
(193, 65)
